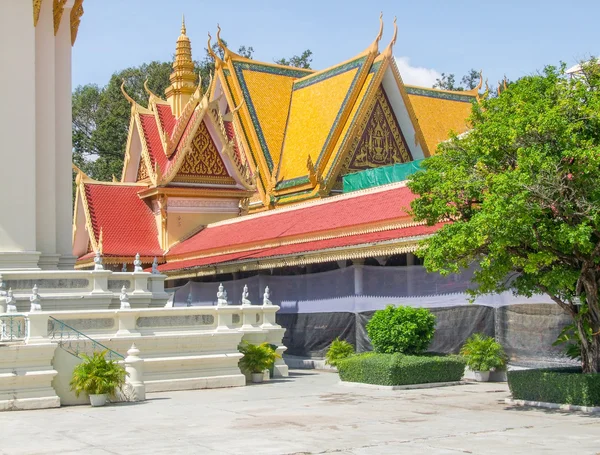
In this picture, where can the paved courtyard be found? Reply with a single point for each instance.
(307, 413)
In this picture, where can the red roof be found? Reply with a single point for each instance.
(127, 223)
(343, 212)
(155, 147)
(166, 117)
(297, 248)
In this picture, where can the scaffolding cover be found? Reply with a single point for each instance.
(380, 176)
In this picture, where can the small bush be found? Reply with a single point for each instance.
(401, 329)
(559, 385)
(483, 353)
(257, 357)
(398, 369)
(338, 350)
(97, 375)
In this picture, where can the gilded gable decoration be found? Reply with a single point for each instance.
(57, 12)
(142, 171)
(37, 5)
(203, 160)
(76, 14)
(381, 142)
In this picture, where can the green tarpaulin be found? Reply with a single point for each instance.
(380, 176)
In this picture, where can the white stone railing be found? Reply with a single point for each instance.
(182, 348)
(85, 289)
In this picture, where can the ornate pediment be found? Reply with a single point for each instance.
(203, 163)
(380, 141)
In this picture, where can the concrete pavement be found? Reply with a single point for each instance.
(307, 413)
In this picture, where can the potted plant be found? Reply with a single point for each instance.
(98, 377)
(482, 354)
(257, 358)
(338, 350)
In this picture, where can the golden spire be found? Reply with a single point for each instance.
(183, 78)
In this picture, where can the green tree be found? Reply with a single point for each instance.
(448, 81)
(299, 61)
(522, 196)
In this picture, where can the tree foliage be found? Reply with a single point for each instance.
(299, 61)
(521, 193)
(448, 81)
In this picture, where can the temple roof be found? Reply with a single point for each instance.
(120, 222)
(363, 218)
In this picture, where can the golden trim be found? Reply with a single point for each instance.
(419, 136)
(88, 218)
(231, 193)
(37, 6)
(58, 8)
(76, 13)
(399, 223)
(89, 262)
(145, 155)
(360, 251)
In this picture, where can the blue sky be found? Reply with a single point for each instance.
(508, 37)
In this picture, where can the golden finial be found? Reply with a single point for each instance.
(380, 34)
(183, 30)
(505, 83)
(499, 87)
(239, 106)
(114, 179)
(388, 50)
(219, 36)
(210, 49)
(126, 95)
(148, 91)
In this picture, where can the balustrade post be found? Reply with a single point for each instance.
(269, 317)
(134, 365)
(225, 317)
(37, 327)
(140, 282)
(100, 279)
(127, 322)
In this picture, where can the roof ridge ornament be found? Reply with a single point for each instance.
(148, 91)
(388, 50)
(126, 95)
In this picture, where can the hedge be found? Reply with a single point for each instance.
(399, 369)
(558, 385)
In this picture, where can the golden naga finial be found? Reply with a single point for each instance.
(126, 95)
(479, 85)
(239, 106)
(505, 83)
(148, 91)
(375, 46)
(219, 40)
(388, 50)
(380, 34)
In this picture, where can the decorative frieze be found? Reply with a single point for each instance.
(176, 321)
(55, 284)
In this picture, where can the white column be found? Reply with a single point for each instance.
(410, 261)
(358, 275)
(64, 142)
(17, 130)
(45, 138)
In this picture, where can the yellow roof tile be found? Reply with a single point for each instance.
(316, 101)
(270, 94)
(440, 112)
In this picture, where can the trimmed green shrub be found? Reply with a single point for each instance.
(558, 385)
(398, 369)
(338, 350)
(483, 353)
(401, 329)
